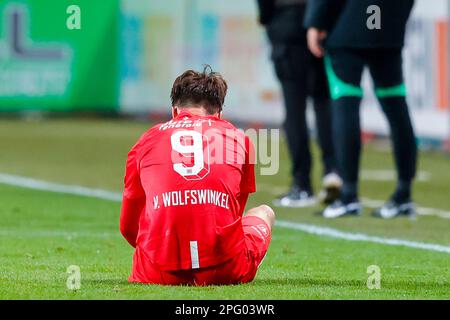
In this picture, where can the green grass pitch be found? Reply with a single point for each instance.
(42, 233)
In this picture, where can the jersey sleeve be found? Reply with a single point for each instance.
(132, 183)
(133, 202)
(248, 183)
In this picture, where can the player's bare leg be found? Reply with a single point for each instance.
(264, 212)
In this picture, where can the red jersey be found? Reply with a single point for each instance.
(186, 186)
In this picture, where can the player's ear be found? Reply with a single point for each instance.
(174, 111)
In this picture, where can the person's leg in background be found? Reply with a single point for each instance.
(290, 56)
(290, 63)
(319, 92)
(344, 70)
(386, 70)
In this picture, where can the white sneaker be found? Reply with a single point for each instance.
(296, 198)
(392, 209)
(339, 209)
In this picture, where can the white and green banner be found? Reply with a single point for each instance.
(49, 62)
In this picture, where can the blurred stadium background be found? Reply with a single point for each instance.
(128, 52)
(59, 89)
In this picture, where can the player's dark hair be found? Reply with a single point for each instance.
(206, 89)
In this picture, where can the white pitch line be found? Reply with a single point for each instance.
(333, 233)
(31, 183)
(391, 175)
(35, 184)
(69, 235)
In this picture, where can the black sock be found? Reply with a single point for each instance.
(301, 187)
(349, 192)
(403, 192)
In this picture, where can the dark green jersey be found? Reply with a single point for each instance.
(350, 23)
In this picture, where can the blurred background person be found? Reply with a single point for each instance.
(356, 34)
(300, 75)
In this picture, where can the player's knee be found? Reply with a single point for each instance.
(267, 213)
(267, 210)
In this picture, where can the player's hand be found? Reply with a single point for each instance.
(315, 38)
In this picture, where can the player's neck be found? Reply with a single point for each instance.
(195, 111)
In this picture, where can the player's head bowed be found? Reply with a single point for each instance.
(206, 89)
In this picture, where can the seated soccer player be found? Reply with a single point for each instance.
(187, 182)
